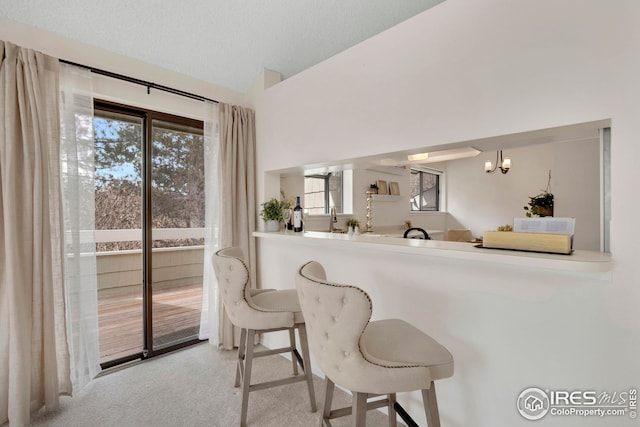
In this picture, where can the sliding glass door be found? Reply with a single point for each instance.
(177, 218)
(149, 231)
(119, 140)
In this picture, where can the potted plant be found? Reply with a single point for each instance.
(271, 213)
(542, 204)
(352, 223)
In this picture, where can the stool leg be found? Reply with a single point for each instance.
(304, 346)
(359, 411)
(241, 350)
(431, 406)
(393, 421)
(328, 398)
(246, 383)
(292, 344)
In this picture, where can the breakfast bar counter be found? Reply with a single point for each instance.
(579, 261)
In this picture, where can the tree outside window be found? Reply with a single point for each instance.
(425, 190)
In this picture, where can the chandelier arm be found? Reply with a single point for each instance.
(496, 165)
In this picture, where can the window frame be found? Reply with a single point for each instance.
(439, 188)
(345, 205)
(325, 179)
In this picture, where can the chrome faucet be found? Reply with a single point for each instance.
(332, 218)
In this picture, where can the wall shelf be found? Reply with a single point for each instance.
(386, 198)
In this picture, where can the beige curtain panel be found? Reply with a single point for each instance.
(34, 360)
(238, 199)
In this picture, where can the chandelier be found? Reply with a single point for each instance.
(503, 165)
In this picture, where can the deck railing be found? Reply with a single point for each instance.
(120, 272)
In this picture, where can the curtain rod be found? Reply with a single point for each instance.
(149, 85)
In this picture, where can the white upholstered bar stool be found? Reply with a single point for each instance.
(260, 311)
(370, 359)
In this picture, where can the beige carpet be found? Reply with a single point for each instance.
(193, 387)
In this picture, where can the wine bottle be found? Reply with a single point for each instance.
(297, 216)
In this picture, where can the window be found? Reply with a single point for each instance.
(321, 192)
(118, 179)
(425, 190)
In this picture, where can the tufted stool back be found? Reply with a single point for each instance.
(369, 358)
(233, 280)
(336, 316)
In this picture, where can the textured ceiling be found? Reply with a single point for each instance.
(225, 42)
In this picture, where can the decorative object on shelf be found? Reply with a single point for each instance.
(272, 225)
(352, 223)
(382, 187)
(542, 204)
(394, 189)
(287, 210)
(373, 188)
(369, 200)
(287, 214)
(503, 165)
(271, 213)
(506, 227)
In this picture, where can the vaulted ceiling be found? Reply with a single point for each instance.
(225, 42)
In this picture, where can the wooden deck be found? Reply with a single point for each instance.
(176, 316)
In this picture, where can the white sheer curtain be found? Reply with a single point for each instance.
(77, 175)
(34, 359)
(210, 302)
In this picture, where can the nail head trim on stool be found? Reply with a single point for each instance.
(383, 357)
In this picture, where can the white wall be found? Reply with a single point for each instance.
(575, 188)
(463, 72)
(468, 70)
(291, 186)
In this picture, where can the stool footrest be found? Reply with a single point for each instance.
(276, 383)
(263, 353)
(341, 412)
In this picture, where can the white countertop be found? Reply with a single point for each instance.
(578, 261)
